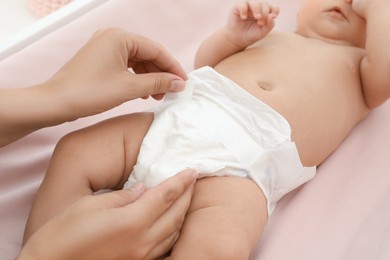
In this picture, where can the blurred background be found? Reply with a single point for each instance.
(16, 15)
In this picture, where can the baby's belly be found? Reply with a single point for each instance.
(320, 118)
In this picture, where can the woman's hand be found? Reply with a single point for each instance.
(250, 21)
(97, 78)
(125, 224)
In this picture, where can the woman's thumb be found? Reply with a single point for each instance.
(156, 83)
(119, 198)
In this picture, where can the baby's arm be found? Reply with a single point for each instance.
(375, 66)
(248, 22)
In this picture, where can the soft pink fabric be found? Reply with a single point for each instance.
(343, 213)
(45, 7)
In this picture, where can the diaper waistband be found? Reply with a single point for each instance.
(206, 82)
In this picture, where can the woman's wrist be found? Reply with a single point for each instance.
(25, 110)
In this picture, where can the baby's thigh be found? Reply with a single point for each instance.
(94, 158)
(102, 155)
(118, 142)
(226, 217)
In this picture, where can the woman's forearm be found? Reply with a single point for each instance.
(25, 110)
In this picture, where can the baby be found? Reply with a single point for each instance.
(263, 109)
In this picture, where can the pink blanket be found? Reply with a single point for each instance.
(343, 213)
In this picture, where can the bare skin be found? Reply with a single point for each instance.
(275, 71)
(314, 77)
(320, 79)
(104, 62)
(123, 215)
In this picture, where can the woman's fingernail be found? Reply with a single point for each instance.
(177, 85)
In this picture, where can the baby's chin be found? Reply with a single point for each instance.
(330, 39)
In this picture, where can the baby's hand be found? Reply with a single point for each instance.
(359, 7)
(250, 21)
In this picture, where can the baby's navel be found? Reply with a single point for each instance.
(264, 85)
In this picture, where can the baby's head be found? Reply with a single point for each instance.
(333, 21)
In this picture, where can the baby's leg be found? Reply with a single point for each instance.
(226, 218)
(94, 158)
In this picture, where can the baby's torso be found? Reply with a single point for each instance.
(314, 85)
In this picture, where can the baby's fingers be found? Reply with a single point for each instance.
(274, 11)
(270, 23)
(264, 9)
(251, 9)
(267, 10)
(243, 10)
(268, 14)
(257, 10)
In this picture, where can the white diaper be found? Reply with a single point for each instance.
(219, 129)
